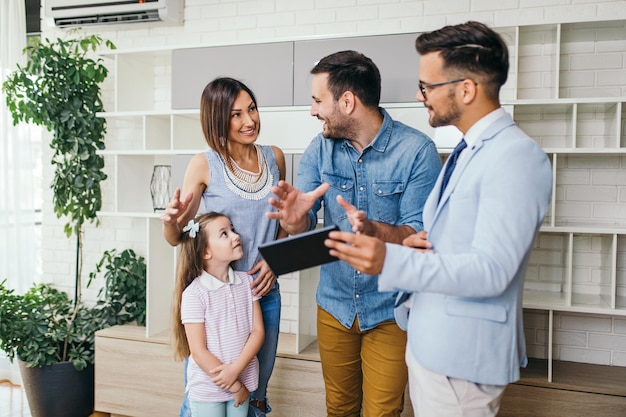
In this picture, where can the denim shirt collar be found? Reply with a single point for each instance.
(382, 138)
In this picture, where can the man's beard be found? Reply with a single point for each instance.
(340, 127)
(448, 118)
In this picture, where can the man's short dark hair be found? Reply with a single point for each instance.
(469, 49)
(351, 71)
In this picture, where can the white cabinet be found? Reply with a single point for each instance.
(570, 96)
(136, 142)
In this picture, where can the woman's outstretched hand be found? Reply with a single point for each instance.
(176, 207)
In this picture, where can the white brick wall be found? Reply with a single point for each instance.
(595, 339)
(577, 337)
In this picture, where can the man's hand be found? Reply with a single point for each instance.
(293, 206)
(419, 242)
(363, 253)
(357, 218)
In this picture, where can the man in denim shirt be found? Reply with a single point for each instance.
(372, 175)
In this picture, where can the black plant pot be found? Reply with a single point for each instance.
(58, 390)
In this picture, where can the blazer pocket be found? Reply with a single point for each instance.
(473, 309)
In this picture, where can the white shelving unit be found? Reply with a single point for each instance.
(570, 98)
(566, 90)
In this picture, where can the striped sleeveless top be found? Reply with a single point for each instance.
(246, 210)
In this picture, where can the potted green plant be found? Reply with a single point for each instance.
(122, 299)
(53, 337)
(59, 88)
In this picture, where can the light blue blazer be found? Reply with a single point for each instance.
(465, 319)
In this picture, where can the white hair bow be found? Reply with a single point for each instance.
(192, 227)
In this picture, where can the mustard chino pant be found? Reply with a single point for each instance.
(365, 368)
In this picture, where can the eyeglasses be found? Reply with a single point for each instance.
(423, 86)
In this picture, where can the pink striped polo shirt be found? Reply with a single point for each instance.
(226, 310)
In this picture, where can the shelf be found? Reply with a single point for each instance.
(573, 376)
(572, 125)
(590, 57)
(142, 80)
(125, 214)
(586, 151)
(169, 152)
(571, 271)
(581, 227)
(542, 300)
(543, 306)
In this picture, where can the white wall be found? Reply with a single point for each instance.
(594, 339)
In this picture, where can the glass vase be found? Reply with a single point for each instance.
(160, 187)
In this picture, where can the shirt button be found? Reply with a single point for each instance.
(360, 188)
(380, 191)
(357, 296)
(343, 186)
(360, 161)
(358, 272)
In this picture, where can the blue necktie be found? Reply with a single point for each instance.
(454, 156)
(402, 297)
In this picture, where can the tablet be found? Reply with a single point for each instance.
(298, 252)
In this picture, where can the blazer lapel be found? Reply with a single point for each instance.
(490, 133)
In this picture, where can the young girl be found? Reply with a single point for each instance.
(216, 319)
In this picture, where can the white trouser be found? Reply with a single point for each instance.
(436, 395)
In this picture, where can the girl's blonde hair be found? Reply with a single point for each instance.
(190, 265)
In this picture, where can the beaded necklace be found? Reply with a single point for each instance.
(246, 184)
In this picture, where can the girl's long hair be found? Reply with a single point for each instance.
(190, 265)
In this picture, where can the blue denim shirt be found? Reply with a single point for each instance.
(390, 180)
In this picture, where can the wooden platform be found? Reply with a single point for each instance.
(297, 390)
(573, 376)
(136, 376)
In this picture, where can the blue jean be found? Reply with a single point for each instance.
(270, 307)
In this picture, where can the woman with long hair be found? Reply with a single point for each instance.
(235, 176)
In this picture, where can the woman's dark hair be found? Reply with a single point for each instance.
(351, 71)
(470, 49)
(215, 106)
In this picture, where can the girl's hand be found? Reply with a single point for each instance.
(264, 282)
(224, 375)
(241, 396)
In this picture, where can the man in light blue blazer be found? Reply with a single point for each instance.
(461, 279)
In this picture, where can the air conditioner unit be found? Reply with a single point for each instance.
(73, 13)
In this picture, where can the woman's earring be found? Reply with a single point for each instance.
(223, 141)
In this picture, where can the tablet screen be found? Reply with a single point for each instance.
(297, 252)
